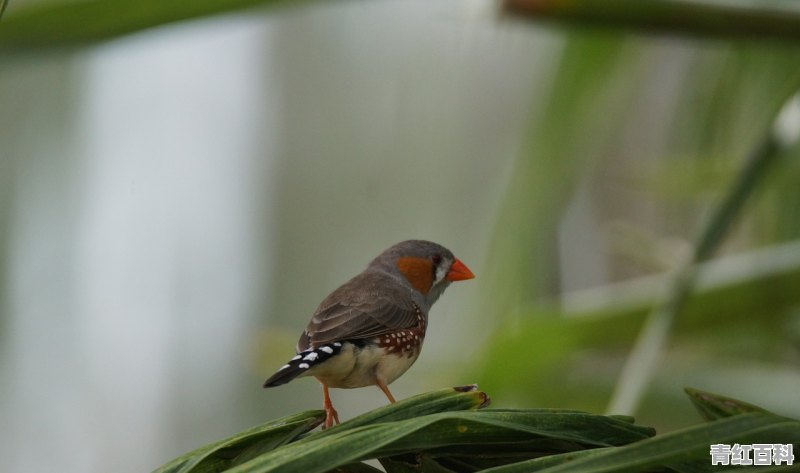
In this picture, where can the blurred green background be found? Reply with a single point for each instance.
(175, 202)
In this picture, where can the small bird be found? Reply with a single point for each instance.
(369, 331)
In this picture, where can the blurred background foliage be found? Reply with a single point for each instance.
(175, 202)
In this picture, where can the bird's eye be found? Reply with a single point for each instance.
(436, 259)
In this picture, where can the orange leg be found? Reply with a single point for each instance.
(386, 391)
(330, 412)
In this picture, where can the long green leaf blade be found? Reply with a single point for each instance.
(253, 442)
(715, 406)
(754, 18)
(445, 433)
(684, 445)
(273, 433)
(538, 464)
(68, 23)
(442, 400)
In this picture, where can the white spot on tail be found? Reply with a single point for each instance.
(337, 344)
(297, 357)
(311, 356)
(283, 367)
(327, 350)
(303, 366)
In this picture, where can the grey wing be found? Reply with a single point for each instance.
(369, 305)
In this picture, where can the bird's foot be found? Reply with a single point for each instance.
(330, 416)
(330, 413)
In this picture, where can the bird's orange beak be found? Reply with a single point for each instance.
(459, 271)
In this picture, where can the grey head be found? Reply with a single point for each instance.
(423, 266)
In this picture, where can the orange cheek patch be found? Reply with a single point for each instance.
(418, 271)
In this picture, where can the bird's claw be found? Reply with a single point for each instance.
(330, 416)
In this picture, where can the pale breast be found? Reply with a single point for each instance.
(363, 366)
(392, 366)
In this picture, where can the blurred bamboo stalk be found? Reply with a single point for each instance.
(644, 358)
(753, 18)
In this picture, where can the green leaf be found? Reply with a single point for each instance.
(539, 464)
(355, 468)
(442, 400)
(448, 433)
(218, 455)
(413, 464)
(753, 18)
(715, 406)
(677, 448)
(251, 443)
(400, 464)
(65, 23)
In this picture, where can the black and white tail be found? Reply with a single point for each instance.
(302, 362)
